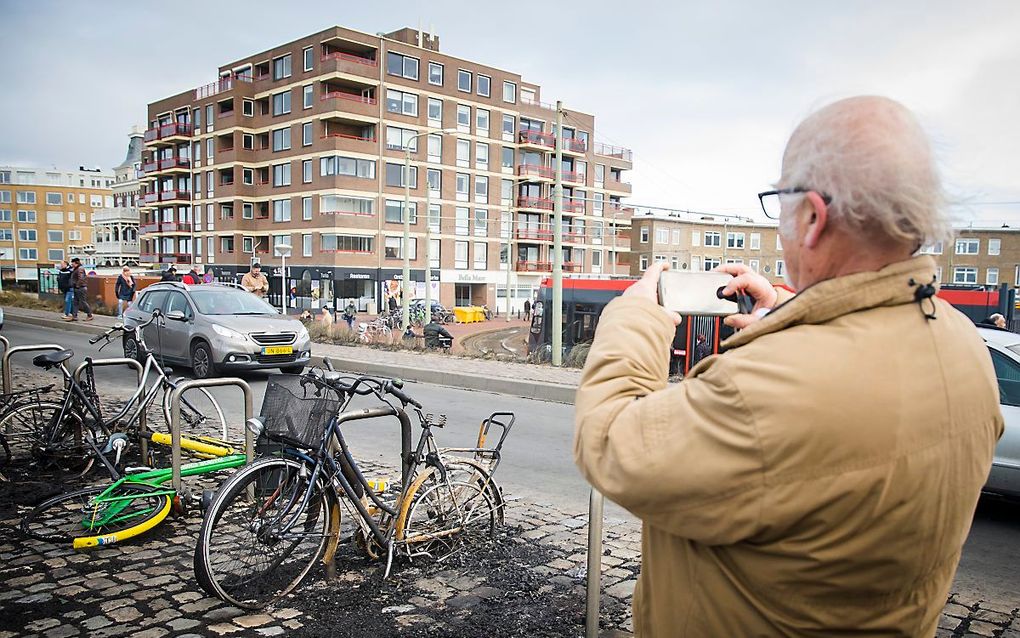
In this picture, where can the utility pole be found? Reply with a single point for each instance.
(509, 256)
(428, 246)
(405, 288)
(557, 274)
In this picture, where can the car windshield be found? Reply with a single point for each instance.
(216, 300)
(1015, 349)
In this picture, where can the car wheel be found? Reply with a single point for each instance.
(292, 369)
(131, 350)
(202, 364)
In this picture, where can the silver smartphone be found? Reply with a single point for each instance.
(699, 293)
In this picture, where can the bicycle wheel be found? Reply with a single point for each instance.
(82, 520)
(34, 433)
(199, 410)
(445, 513)
(23, 425)
(260, 537)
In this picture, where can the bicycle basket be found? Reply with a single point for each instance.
(296, 415)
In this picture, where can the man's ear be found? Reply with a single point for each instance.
(818, 219)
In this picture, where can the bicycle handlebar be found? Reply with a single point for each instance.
(364, 386)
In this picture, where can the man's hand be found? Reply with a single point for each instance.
(751, 283)
(648, 288)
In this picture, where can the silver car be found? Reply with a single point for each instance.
(217, 327)
(1004, 347)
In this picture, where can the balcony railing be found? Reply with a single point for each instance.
(151, 198)
(533, 234)
(573, 205)
(535, 202)
(618, 152)
(221, 85)
(573, 176)
(350, 57)
(166, 196)
(533, 266)
(145, 229)
(176, 258)
(148, 258)
(575, 145)
(348, 137)
(174, 162)
(149, 167)
(175, 227)
(167, 130)
(342, 95)
(535, 170)
(573, 238)
(572, 266)
(537, 137)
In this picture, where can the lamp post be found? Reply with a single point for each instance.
(283, 252)
(405, 286)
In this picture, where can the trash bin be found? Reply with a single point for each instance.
(463, 315)
(478, 313)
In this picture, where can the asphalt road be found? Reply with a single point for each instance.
(538, 456)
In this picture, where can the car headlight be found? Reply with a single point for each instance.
(229, 333)
(302, 334)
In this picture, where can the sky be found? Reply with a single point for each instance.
(704, 93)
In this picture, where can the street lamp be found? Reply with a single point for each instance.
(405, 287)
(283, 252)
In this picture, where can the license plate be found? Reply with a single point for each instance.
(278, 350)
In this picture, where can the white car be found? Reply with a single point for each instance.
(1004, 347)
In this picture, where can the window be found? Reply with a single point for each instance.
(963, 275)
(306, 134)
(482, 122)
(714, 239)
(435, 148)
(306, 208)
(281, 139)
(754, 265)
(460, 254)
(28, 216)
(6, 234)
(55, 254)
(734, 240)
(598, 203)
(481, 222)
(463, 220)
(54, 217)
(711, 263)
(463, 186)
(345, 243)
(463, 80)
(401, 102)
(484, 85)
(436, 73)
(755, 241)
(308, 56)
(434, 248)
(5, 197)
(968, 246)
(281, 103)
(306, 171)
(281, 210)
(644, 234)
(780, 268)
(481, 255)
(508, 157)
(402, 65)
(281, 67)
(247, 244)
(994, 245)
(28, 197)
(395, 248)
(435, 215)
(463, 153)
(676, 237)
(643, 263)
(342, 205)
(395, 212)
(399, 139)
(349, 166)
(307, 95)
(509, 92)
(508, 128)
(1007, 372)
(248, 108)
(55, 236)
(247, 176)
(28, 253)
(395, 175)
(506, 191)
(435, 113)
(5, 177)
(281, 174)
(27, 234)
(661, 235)
(74, 235)
(933, 249)
(306, 245)
(463, 121)
(247, 210)
(54, 199)
(992, 277)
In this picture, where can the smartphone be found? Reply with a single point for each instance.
(700, 293)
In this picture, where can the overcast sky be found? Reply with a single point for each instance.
(705, 93)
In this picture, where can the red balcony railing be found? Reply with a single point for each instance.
(166, 196)
(534, 234)
(537, 137)
(175, 227)
(350, 57)
(535, 170)
(348, 137)
(535, 202)
(174, 162)
(573, 176)
(575, 145)
(573, 205)
(167, 130)
(342, 95)
(149, 167)
(221, 85)
(572, 266)
(573, 238)
(533, 266)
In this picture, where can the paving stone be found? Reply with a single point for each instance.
(270, 631)
(181, 624)
(200, 605)
(958, 611)
(463, 602)
(622, 590)
(990, 616)
(42, 624)
(398, 609)
(96, 622)
(63, 631)
(222, 629)
(949, 622)
(983, 628)
(152, 632)
(125, 614)
(256, 620)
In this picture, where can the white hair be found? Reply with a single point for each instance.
(872, 157)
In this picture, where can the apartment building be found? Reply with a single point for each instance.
(702, 242)
(46, 216)
(304, 145)
(978, 255)
(116, 227)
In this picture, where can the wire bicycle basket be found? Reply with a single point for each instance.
(296, 414)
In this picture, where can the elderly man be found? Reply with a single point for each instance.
(819, 477)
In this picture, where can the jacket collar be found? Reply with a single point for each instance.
(893, 285)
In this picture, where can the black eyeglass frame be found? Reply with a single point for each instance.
(796, 190)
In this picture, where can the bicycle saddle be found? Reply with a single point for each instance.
(50, 359)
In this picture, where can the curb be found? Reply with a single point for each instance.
(542, 391)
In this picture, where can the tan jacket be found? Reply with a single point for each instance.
(258, 285)
(818, 479)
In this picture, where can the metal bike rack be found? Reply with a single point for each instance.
(175, 418)
(143, 441)
(5, 342)
(9, 352)
(594, 581)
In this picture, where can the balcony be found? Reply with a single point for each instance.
(121, 214)
(573, 145)
(174, 195)
(540, 203)
(175, 258)
(175, 227)
(533, 234)
(149, 167)
(573, 176)
(168, 133)
(151, 198)
(146, 229)
(616, 152)
(573, 238)
(148, 258)
(535, 170)
(175, 164)
(221, 86)
(573, 206)
(350, 64)
(117, 247)
(533, 266)
(347, 102)
(616, 185)
(572, 266)
(537, 138)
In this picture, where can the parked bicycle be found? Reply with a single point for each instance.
(273, 521)
(58, 433)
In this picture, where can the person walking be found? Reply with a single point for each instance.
(820, 476)
(124, 290)
(701, 350)
(349, 313)
(255, 282)
(527, 310)
(170, 274)
(64, 286)
(391, 303)
(78, 285)
(193, 277)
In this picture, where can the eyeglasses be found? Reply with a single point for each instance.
(771, 205)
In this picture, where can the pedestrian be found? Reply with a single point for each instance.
(391, 303)
(124, 290)
(64, 286)
(326, 317)
(170, 274)
(996, 320)
(349, 312)
(701, 350)
(255, 282)
(527, 309)
(820, 476)
(78, 286)
(436, 336)
(193, 277)
(305, 316)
